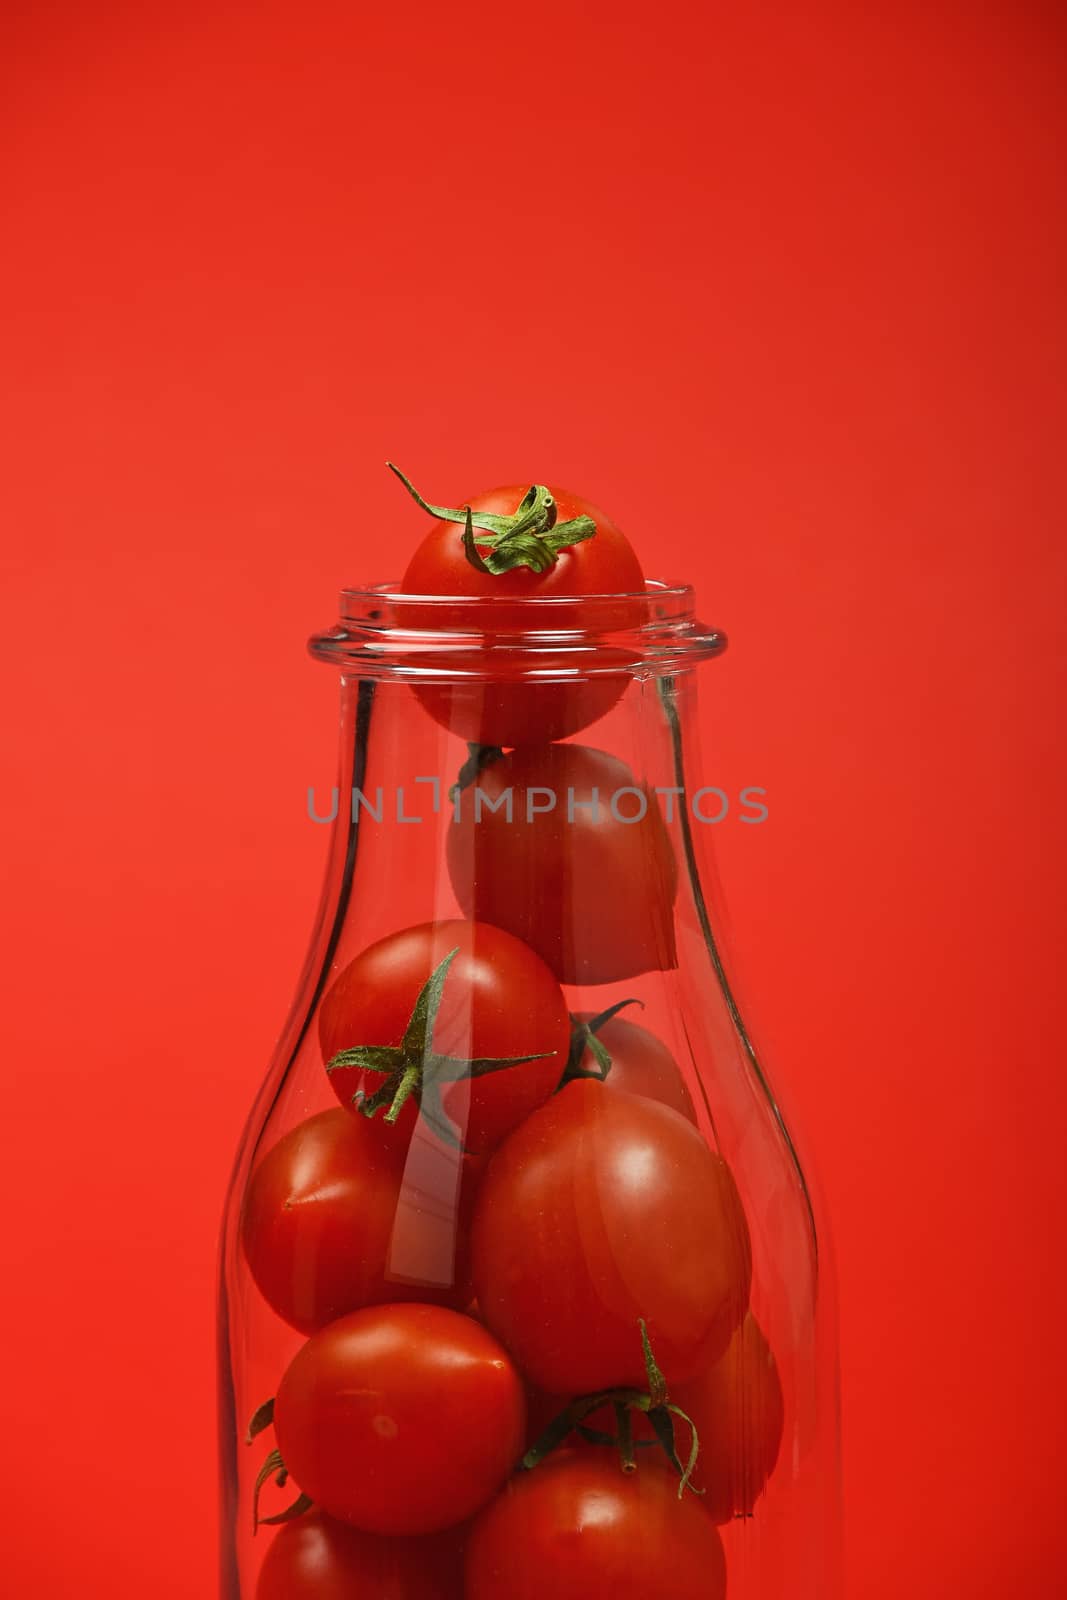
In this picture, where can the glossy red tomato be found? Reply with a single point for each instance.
(604, 1208)
(400, 1419)
(640, 1063)
(578, 1528)
(337, 1217)
(498, 1001)
(589, 887)
(511, 710)
(316, 1558)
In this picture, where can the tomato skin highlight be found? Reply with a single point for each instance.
(523, 711)
(337, 1217)
(640, 1064)
(318, 1558)
(604, 1208)
(400, 1419)
(592, 894)
(578, 1527)
(499, 1000)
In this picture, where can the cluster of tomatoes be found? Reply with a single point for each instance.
(522, 1273)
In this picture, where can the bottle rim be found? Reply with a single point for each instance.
(385, 632)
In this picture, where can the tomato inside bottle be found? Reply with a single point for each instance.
(524, 1288)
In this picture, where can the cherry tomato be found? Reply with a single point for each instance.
(738, 1411)
(336, 1217)
(513, 710)
(316, 1558)
(497, 1001)
(400, 1419)
(590, 888)
(640, 1063)
(603, 1209)
(577, 1527)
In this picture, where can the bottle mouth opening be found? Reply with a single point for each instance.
(385, 632)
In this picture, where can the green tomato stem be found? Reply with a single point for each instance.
(624, 1402)
(415, 1068)
(530, 537)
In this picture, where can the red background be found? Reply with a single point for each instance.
(781, 287)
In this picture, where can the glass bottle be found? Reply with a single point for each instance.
(583, 1270)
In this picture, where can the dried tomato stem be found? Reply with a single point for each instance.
(273, 1467)
(532, 536)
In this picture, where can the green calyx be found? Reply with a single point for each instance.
(654, 1403)
(479, 757)
(414, 1067)
(584, 1037)
(531, 537)
(273, 1467)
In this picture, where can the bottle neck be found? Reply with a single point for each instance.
(594, 832)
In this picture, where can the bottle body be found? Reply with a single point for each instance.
(518, 1176)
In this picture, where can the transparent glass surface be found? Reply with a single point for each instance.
(554, 1266)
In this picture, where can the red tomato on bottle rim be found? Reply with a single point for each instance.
(516, 707)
